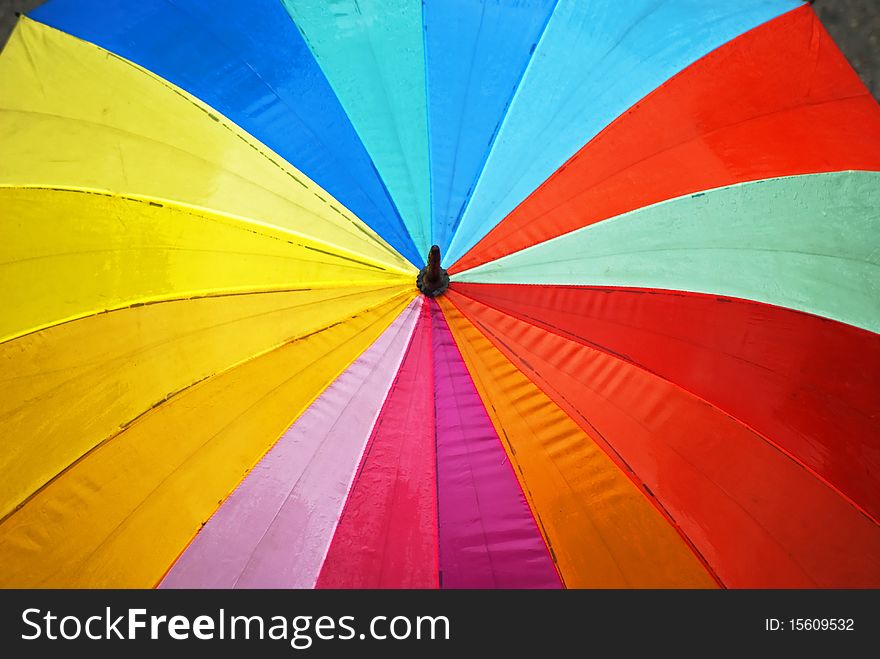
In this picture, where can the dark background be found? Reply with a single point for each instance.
(854, 24)
(488, 623)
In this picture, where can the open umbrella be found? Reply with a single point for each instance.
(232, 357)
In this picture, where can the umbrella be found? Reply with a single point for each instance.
(459, 294)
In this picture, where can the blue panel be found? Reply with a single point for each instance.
(249, 62)
(476, 53)
(595, 59)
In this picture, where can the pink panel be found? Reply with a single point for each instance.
(274, 530)
(387, 535)
(488, 536)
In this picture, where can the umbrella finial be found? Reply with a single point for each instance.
(433, 280)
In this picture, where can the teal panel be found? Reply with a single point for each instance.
(372, 53)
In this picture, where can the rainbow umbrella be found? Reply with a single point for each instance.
(656, 363)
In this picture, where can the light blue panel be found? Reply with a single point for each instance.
(372, 53)
(596, 59)
(476, 52)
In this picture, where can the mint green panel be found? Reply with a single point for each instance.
(805, 242)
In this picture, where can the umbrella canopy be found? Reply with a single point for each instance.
(650, 357)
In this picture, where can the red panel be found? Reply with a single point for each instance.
(779, 100)
(387, 533)
(808, 384)
(758, 517)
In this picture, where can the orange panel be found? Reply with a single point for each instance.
(603, 530)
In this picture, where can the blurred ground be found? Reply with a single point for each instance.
(7, 14)
(854, 24)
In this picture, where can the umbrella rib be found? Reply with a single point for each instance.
(560, 202)
(460, 126)
(146, 347)
(660, 250)
(303, 474)
(127, 424)
(258, 227)
(289, 107)
(447, 375)
(497, 131)
(739, 421)
(513, 181)
(394, 385)
(616, 456)
(350, 226)
(195, 296)
(209, 439)
(395, 132)
(511, 456)
(411, 311)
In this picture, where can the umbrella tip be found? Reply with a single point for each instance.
(433, 280)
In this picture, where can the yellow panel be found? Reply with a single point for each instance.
(74, 115)
(67, 388)
(70, 254)
(121, 515)
(602, 530)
